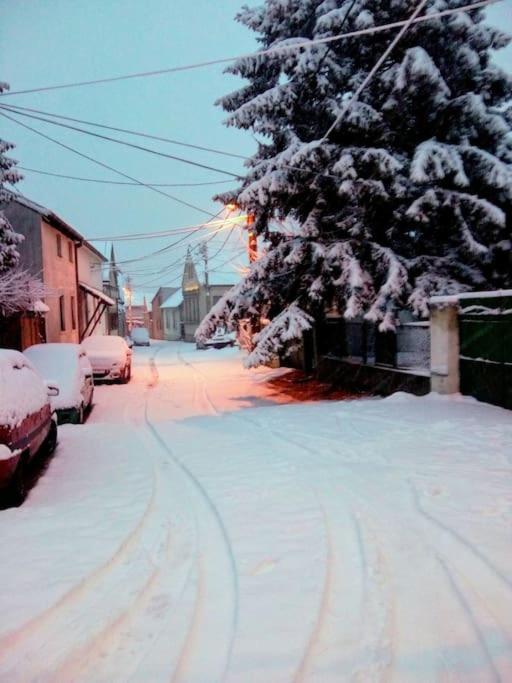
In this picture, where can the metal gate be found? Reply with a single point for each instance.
(485, 328)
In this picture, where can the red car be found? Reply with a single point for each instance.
(27, 425)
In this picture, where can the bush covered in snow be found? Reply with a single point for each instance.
(19, 290)
(409, 196)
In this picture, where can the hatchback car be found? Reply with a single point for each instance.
(140, 336)
(110, 357)
(69, 367)
(27, 425)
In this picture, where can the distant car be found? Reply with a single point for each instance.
(220, 339)
(140, 336)
(69, 367)
(27, 425)
(110, 357)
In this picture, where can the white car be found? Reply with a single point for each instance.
(221, 339)
(68, 366)
(110, 357)
(140, 336)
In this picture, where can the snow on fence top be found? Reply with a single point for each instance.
(455, 298)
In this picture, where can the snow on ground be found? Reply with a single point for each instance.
(198, 530)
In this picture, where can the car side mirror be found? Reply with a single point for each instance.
(52, 388)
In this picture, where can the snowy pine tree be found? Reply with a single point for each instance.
(9, 239)
(411, 193)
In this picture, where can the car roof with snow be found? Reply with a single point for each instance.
(22, 390)
(103, 341)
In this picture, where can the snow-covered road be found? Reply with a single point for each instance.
(197, 530)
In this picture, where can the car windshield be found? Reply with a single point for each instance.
(55, 362)
(98, 343)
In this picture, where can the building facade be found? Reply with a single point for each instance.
(68, 266)
(177, 312)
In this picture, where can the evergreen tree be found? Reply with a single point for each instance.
(409, 196)
(9, 239)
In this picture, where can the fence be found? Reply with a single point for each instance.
(485, 360)
(361, 342)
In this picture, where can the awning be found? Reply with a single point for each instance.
(97, 293)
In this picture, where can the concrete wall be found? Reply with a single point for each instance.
(444, 349)
(59, 274)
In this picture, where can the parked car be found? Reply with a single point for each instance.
(140, 336)
(69, 367)
(28, 427)
(110, 357)
(220, 339)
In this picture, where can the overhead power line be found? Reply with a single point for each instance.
(121, 182)
(215, 222)
(150, 136)
(277, 49)
(116, 140)
(376, 67)
(107, 166)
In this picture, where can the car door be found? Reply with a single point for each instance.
(86, 374)
(30, 434)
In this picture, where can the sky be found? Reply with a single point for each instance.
(46, 42)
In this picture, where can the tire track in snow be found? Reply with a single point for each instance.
(191, 640)
(85, 586)
(459, 538)
(470, 617)
(319, 638)
(213, 410)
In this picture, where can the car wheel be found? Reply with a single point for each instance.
(51, 440)
(17, 491)
(79, 415)
(127, 374)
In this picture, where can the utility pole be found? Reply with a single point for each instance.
(252, 244)
(128, 290)
(204, 254)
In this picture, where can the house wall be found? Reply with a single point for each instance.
(216, 292)
(59, 274)
(171, 319)
(90, 267)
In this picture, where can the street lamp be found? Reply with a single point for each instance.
(252, 243)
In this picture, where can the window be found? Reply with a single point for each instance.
(168, 319)
(73, 318)
(62, 312)
(59, 245)
(175, 320)
(70, 251)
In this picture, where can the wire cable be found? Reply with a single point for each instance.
(117, 141)
(121, 182)
(375, 68)
(277, 49)
(101, 163)
(150, 136)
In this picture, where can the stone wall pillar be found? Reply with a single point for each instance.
(444, 348)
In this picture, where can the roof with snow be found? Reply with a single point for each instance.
(53, 219)
(174, 300)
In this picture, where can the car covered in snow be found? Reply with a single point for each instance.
(220, 339)
(69, 367)
(110, 357)
(28, 427)
(140, 336)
